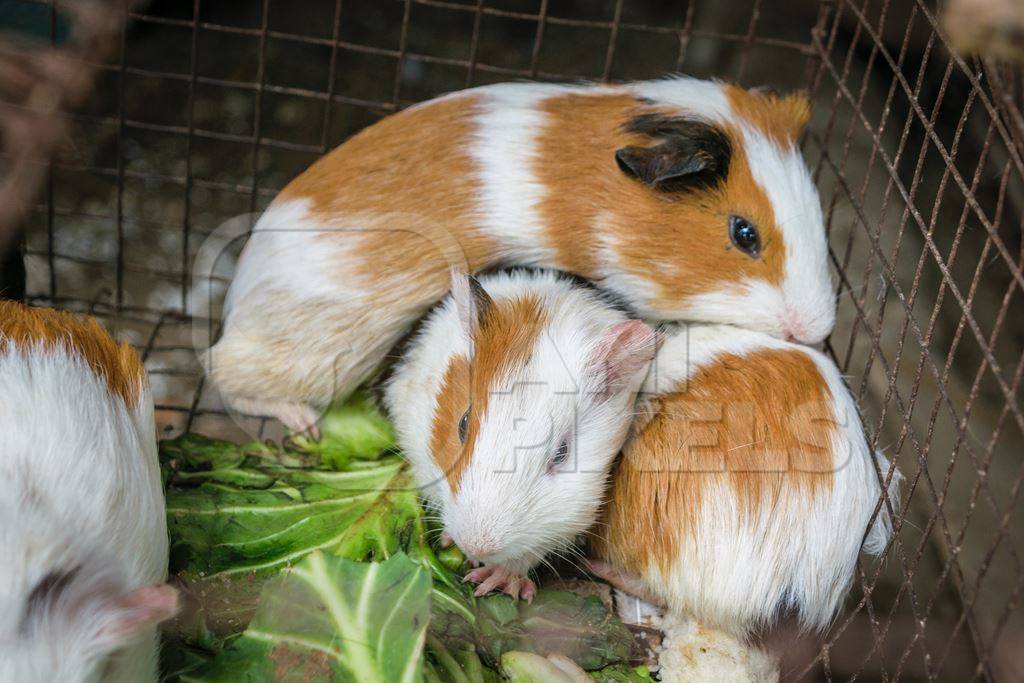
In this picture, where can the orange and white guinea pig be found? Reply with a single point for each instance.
(688, 199)
(82, 520)
(748, 487)
(511, 404)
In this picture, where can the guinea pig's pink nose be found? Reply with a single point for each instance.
(793, 331)
(806, 325)
(479, 548)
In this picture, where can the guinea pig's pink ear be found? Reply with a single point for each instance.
(129, 614)
(471, 301)
(623, 352)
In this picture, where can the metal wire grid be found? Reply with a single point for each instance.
(995, 108)
(903, 378)
(111, 301)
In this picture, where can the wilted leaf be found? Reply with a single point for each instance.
(581, 628)
(558, 622)
(330, 619)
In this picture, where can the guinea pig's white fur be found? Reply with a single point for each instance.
(508, 503)
(82, 520)
(736, 566)
(358, 247)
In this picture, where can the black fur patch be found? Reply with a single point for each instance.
(45, 593)
(394, 356)
(481, 298)
(689, 155)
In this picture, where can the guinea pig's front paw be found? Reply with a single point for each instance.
(496, 577)
(300, 418)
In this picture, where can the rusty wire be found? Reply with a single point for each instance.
(923, 208)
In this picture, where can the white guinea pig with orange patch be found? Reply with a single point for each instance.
(511, 403)
(687, 199)
(747, 488)
(82, 520)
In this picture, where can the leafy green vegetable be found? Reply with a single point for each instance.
(558, 622)
(622, 673)
(526, 667)
(452, 558)
(460, 664)
(234, 510)
(305, 524)
(355, 429)
(581, 628)
(330, 619)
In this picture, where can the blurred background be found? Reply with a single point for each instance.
(187, 113)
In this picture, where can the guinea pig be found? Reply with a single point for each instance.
(82, 519)
(747, 488)
(510, 404)
(687, 199)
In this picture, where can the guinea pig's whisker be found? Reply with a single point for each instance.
(543, 560)
(575, 565)
(793, 217)
(568, 551)
(594, 534)
(577, 553)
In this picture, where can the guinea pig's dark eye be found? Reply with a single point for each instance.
(561, 454)
(464, 426)
(745, 236)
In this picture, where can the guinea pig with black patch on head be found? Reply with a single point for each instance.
(82, 518)
(510, 404)
(688, 199)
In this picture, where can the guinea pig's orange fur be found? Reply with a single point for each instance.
(391, 168)
(770, 443)
(118, 364)
(451, 404)
(780, 118)
(504, 339)
(372, 176)
(583, 134)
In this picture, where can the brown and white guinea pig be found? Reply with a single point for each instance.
(82, 520)
(688, 199)
(511, 403)
(747, 488)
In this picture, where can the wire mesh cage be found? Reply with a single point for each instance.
(188, 114)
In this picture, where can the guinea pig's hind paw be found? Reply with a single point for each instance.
(528, 590)
(495, 577)
(624, 581)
